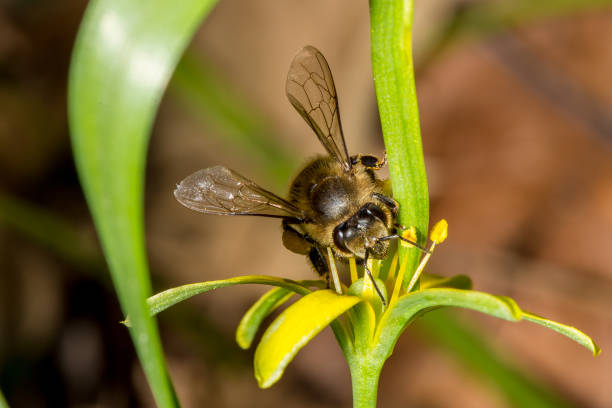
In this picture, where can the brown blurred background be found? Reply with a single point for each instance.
(517, 132)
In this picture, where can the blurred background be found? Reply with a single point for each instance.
(516, 111)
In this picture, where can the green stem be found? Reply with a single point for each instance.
(365, 373)
(392, 67)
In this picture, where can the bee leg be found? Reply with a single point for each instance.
(365, 265)
(370, 162)
(302, 244)
(295, 241)
(316, 258)
(388, 202)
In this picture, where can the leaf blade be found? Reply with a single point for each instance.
(413, 304)
(123, 57)
(393, 73)
(163, 300)
(568, 331)
(428, 281)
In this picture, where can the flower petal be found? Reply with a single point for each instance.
(295, 327)
(251, 320)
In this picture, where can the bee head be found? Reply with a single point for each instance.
(363, 230)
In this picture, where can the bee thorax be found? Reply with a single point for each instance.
(331, 198)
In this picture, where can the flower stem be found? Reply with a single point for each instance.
(364, 376)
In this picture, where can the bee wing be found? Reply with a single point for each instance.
(219, 190)
(310, 89)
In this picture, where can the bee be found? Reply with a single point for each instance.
(336, 201)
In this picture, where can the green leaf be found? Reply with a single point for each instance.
(170, 297)
(571, 332)
(429, 281)
(251, 320)
(124, 55)
(295, 327)
(392, 68)
(412, 305)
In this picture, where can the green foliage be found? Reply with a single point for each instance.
(392, 68)
(124, 55)
(370, 333)
(170, 297)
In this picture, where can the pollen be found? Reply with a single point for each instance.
(409, 234)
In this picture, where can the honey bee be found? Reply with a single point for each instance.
(336, 201)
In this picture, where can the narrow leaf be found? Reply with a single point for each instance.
(124, 55)
(171, 297)
(250, 322)
(429, 281)
(412, 305)
(392, 68)
(569, 331)
(295, 327)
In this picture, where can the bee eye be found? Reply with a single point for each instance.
(372, 210)
(343, 233)
(364, 217)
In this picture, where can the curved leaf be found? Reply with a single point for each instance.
(428, 281)
(295, 327)
(251, 320)
(124, 55)
(571, 332)
(171, 297)
(410, 306)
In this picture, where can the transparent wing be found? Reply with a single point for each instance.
(310, 89)
(219, 190)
